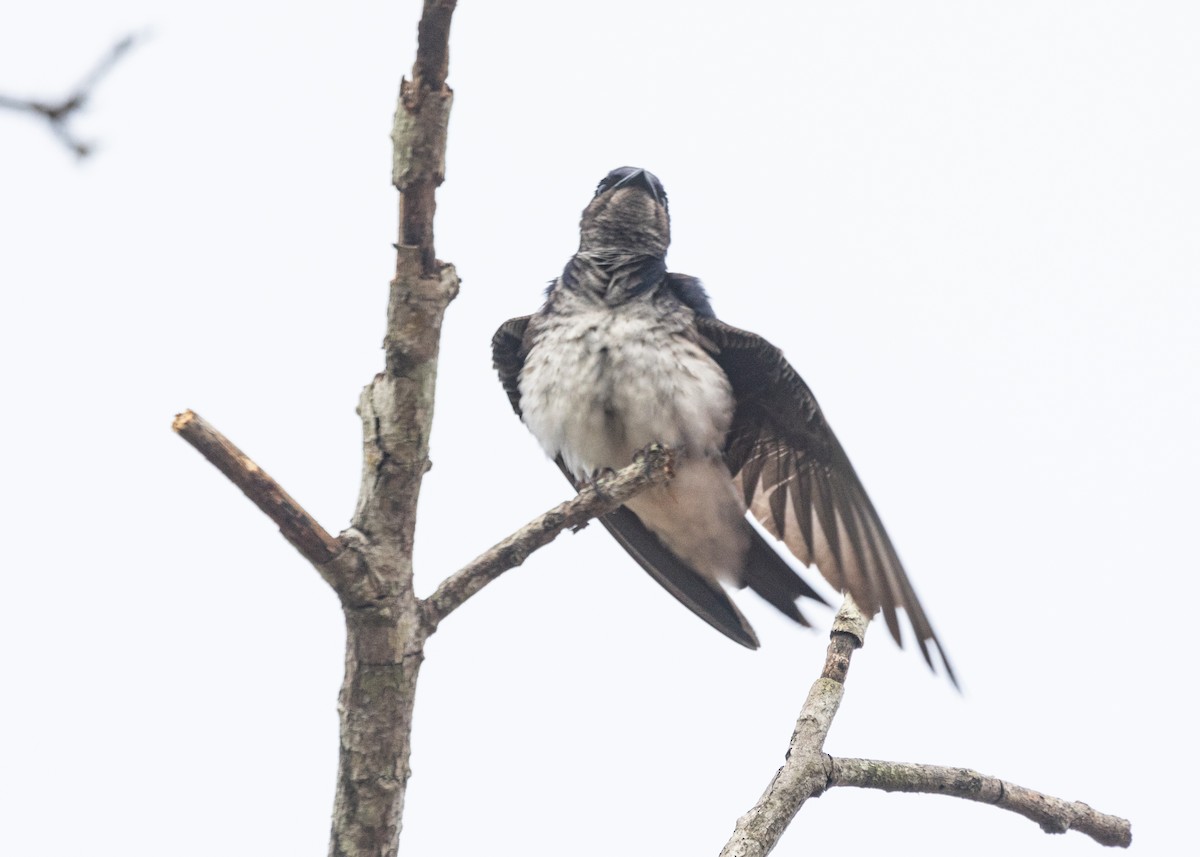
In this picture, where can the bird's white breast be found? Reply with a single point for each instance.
(602, 382)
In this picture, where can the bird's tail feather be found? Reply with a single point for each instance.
(769, 574)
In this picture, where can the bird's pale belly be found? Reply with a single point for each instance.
(599, 386)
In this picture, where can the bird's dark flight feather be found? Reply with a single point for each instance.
(800, 484)
(508, 356)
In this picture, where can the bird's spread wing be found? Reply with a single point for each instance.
(800, 485)
(707, 600)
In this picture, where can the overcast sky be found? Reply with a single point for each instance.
(971, 227)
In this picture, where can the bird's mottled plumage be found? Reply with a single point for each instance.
(624, 354)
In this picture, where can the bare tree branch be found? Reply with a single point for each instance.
(385, 633)
(58, 113)
(652, 466)
(370, 565)
(803, 775)
(298, 527)
(419, 131)
(387, 628)
(1052, 814)
(808, 771)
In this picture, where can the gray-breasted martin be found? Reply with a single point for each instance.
(624, 354)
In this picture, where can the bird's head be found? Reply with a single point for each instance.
(628, 214)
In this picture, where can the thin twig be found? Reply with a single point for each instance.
(57, 113)
(297, 526)
(652, 466)
(808, 771)
(1052, 814)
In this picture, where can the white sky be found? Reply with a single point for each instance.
(972, 227)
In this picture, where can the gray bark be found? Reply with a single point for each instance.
(808, 772)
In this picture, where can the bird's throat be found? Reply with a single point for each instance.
(615, 277)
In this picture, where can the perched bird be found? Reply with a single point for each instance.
(624, 354)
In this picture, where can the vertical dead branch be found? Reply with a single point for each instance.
(419, 131)
(384, 633)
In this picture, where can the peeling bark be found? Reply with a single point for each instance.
(385, 636)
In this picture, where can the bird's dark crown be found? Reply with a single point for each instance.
(622, 176)
(628, 215)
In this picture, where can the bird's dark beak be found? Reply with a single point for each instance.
(640, 178)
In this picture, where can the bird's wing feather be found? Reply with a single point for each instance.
(508, 356)
(690, 292)
(799, 483)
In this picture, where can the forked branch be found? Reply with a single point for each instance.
(59, 113)
(808, 771)
(652, 466)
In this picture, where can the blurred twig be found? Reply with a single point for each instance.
(58, 114)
